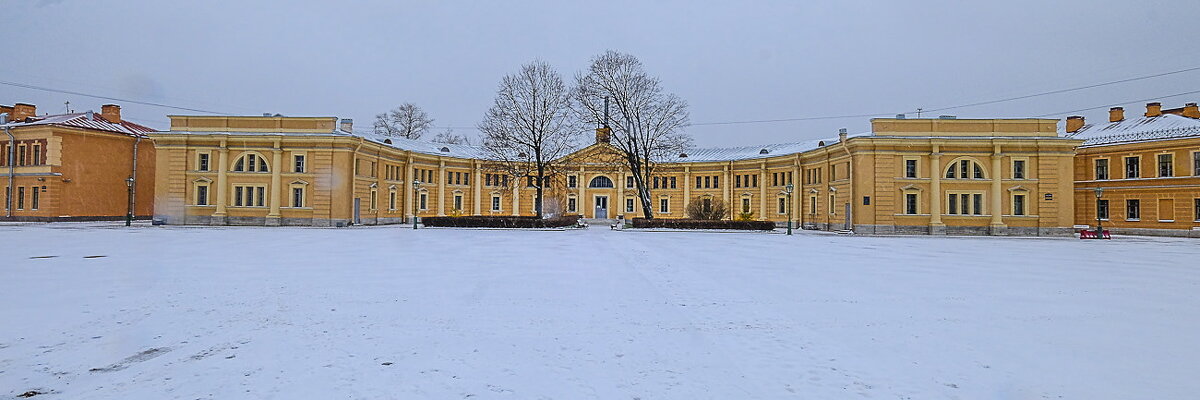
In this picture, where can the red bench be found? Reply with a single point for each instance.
(1092, 234)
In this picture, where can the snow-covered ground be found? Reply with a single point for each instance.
(392, 313)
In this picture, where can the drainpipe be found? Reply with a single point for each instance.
(12, 145)
(849, 175)
(133, 176)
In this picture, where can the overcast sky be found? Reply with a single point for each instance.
(732, 61)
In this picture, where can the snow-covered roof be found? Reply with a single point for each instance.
(85, 120)
(1141, 129)
(718, 154)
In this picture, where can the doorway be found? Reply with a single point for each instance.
(601, 207)
(357, 211)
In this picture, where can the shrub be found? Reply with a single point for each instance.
(706, 208)
(703, 224)
(477, 221)
(746, 216)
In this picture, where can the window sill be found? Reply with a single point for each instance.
(201, 205)
(1133, 220)
(1166, 220)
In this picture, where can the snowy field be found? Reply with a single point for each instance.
(392, 313)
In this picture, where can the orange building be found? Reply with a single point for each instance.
(74, 166)
(1147, 170)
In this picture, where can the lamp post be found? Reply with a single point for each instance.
(129, 204)
(1099, 227)
(788, 190)
(416, 201)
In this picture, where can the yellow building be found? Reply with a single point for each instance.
(1148, 170)
(907, 176)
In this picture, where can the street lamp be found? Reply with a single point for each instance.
(1099, 227)
(788, 190)
(416, 200)
(129, 204)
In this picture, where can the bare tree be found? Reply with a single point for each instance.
(449, 137)
(645, 121)
(407, 121)
(530, 126)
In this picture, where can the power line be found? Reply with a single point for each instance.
(26, 86)
(1118, 104)
(1066, 90)
(960, 105)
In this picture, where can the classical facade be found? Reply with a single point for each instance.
(74, 166)
(907, 176)
(1146, 167)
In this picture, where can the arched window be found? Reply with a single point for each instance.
(250, 163)
(601, 182)
(965, 169)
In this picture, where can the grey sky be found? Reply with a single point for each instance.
(731, 61)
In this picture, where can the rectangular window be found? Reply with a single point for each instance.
(495, 203)
(1133, 210)
(1166, 166)
(572, 181)
(782, 205)
(238, 196)
(298, 197)
(629, 205)
(629, 182)
(1018, 204)
(672, 182)
(910, 168)
(570, 204)
(260, 191)
(977, 200)
(37, 157)
(458, 202)
(965, 205)
(1132, 169)
(35, 198)
(20, 197)
(832, 201)
(656, 182)
(1196, 163)
(664, 206)
(813, 205)
(202, 162)
(774, 179)
(1101, 169)
(424, 201)
(1102, 209)
(952, 204)
(20, 155)
(753, 180)
(737, 181)
(716, 182)
(1196, 205)
(745, 205)
(1166, 210)
(392, 200)
(1018, 169)
(467, 178)
(202, 195)
(299, 163)
(699, 182)
(910, 203)
(707, 182)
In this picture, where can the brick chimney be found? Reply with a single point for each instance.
(1074, 123)
(111, 113)
(347, 125)
(22, 111)
(1191, 111)
(1116, 114)
(603, 134)
(1154, 109)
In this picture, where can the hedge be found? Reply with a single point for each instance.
(703, 224)
(501, 222)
